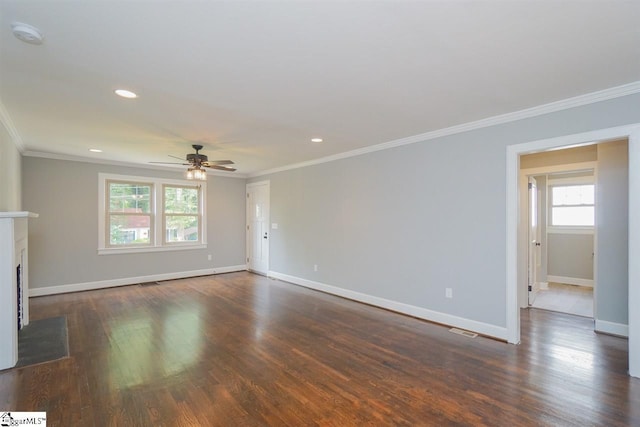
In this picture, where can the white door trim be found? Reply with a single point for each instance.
(248, 240)
(532, 261)
(513, 245)
(634, 253)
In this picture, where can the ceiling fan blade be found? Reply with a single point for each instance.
(176, 157)
(217, 162)
(221, 168)
(171, 163)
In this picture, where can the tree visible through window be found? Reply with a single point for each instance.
(181, 214)
(146, 214)
(129, 215)
(573, 205)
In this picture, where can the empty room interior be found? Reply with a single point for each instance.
(320, 213)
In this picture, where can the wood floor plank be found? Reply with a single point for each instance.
(244, 350)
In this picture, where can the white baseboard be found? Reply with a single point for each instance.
(570, 280)
(543, 285)
(612, 328)
(87, 286)
(411, 310)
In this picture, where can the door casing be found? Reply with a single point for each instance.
(516, 256)
(258, 257)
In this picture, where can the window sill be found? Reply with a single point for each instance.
(147, 249)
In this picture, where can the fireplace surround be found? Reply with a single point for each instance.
(14, 283)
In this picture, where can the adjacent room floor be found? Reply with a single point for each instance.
(565, 298)
(243, 350)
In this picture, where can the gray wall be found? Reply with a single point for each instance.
(63, 241)
(10, 167)
(406, 223)
(570, 255)
(612, 208)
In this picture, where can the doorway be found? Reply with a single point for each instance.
(516, 259)
(258, 227)
(561, 228)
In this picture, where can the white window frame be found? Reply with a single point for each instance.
(164, 214)
(566, 182)
(158, 243)
(108, 214)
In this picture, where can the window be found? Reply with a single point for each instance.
(181, 213)
(573, 205)
(129, 216)
(139, 214)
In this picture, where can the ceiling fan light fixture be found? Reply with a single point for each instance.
(200, 175)
(198, 164)
(196, 173)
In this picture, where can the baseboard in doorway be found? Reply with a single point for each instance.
(570, 280)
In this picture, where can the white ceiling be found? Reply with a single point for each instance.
(255, 81)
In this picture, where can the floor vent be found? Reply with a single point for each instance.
(149, 284)
(464, 333)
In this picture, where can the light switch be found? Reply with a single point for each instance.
(274, 225)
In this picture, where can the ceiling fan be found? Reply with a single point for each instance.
(197, 162)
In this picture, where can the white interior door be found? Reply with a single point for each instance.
(534, 240)
(258, 227)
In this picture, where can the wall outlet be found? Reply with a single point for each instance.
(315, 267)
(448, 292)
(209, 257)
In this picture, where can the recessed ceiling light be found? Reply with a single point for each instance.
(95, 150)
(125, 93)
(316, 139)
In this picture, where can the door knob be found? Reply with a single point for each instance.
(265, 235)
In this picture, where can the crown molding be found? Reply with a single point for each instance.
(55, 156)
(6, 121)
(565, 104)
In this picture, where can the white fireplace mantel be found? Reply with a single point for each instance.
(21, 214)
(13, 255)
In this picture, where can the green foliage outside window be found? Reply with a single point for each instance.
(129, 213)
(181, 208)
(128, 197)
(150, 213)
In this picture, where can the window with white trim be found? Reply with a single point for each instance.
(181, 213)
(129, 213)
(141, 214)
(572, 205)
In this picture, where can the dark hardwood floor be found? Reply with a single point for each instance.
(240, 349)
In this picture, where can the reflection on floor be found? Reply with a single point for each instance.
(566, 299)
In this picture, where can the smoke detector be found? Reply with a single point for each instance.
(26, 33)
